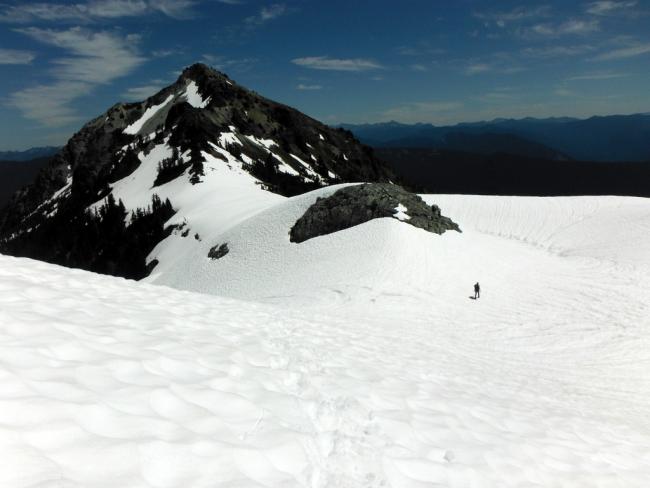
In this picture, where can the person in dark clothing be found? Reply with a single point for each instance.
(477, 290)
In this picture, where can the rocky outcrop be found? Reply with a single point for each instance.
(218, 251)
(354, 205)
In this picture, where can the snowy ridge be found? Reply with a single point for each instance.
(354, 374)
(225, 185)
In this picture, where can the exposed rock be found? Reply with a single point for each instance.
(218, 251)
(354, 205)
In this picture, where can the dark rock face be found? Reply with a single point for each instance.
(357, 204)
(218, 251)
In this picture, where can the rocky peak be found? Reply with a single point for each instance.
(201, 126)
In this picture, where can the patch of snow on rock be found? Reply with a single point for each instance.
(266, 143)
(136, 126)
(193, 96)
(226, 138)
(401, 213)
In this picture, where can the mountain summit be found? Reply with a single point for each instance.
(140, 173)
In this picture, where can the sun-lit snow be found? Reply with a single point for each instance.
(312, 174)
(357, 359)
(224, 185)
(136, 126)
(401, 213)
(265, 143)
(193, 96)
(226, 138)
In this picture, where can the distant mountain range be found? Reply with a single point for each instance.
(29, 154)
(429, 170)
(609, 138)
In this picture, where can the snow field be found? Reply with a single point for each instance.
(354, 359)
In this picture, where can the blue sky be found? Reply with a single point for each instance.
(63, 63)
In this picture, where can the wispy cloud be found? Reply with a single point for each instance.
(609, 7)
(518, 14)
(555, 52)
(498, 96)
(476, 68)
(266, 14)
(563, 92)
(15, 56)
(598, 76)
(223, 63)
(570, 27)
(95, 58)
(421, 111)
(334, 64)
(165, 53)
(420, 49)
(138, 93)
(500, 63)
(421, 68)
(302, 86)
(624, 52)
(93, 10)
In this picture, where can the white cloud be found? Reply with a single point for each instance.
(50, 104)
(164, 53)
(597, 76)
(267, 13)
(14, 56)
(223, 63)
(93, 10)
(95, 58)
(419, 68)
(333, 64)
(556, 51)
(421, 111)
(497, 97)
(609, 7)
(563, 92)
(477, 68)
(138, 93)
(516, 15)
(624, 53)
(570, 27)
(302, 86)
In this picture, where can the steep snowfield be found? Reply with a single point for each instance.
(226, 195)
(356, 359)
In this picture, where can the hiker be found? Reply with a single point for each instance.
(477, 291)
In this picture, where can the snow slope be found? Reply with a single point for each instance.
(355, 360)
